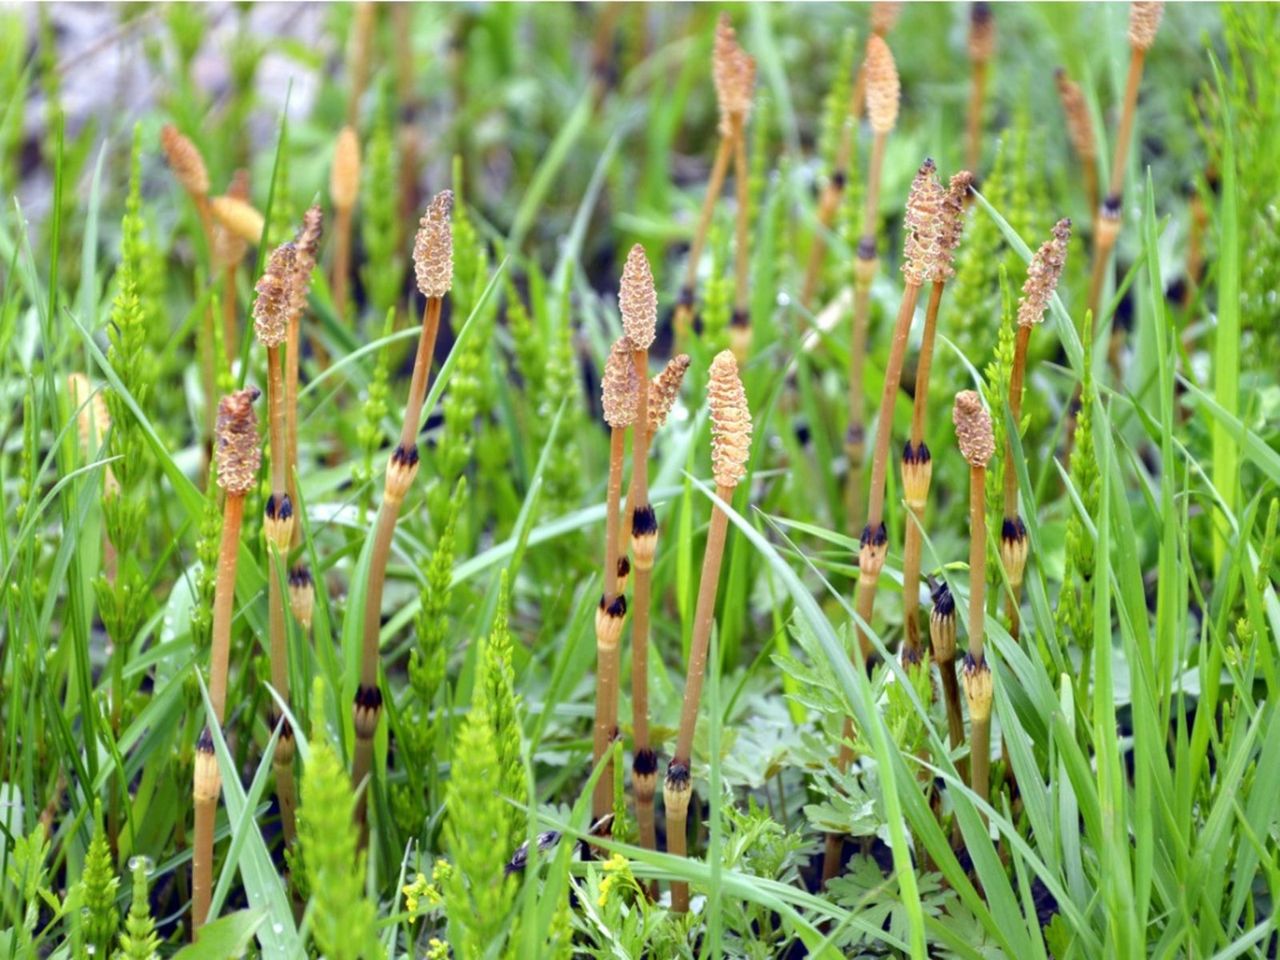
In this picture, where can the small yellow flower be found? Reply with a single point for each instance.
(441, 872)
(605, 884)
(616, 864)
(437, 949)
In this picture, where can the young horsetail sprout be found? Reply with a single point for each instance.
(982, 47)
(238, 457)
(1043, 274)
(1080, 133)
(974, 437)
(620, 396)
(1144, 20)
(729, 68)
(229, 248)
(942, 638)
(917, 464)
(344, 188)
(271, 310)
(730, 449)
(302, 592)
(433, 267)
(928, 231)
(883, 93)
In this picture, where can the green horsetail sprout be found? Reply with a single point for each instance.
(433, 267)
(229, 248)
(974, 437)
(928, 229)
(733, 75)
(620, 395)
(1043, 274)
(883, 93)
(344, 189)
(662, 394)
(1080, 132)
(238, 457)
(307, 241)
(917, 463)
(982, 46)
(271, 312)
(730, 450)
(1144, 20)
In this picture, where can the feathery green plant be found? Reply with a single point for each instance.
(502, 705)
(342, 917)
(99, 884)
(138, 939)
(383, 269)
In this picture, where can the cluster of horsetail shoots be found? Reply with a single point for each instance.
(238, 456)
(733, 74)
(433, 268)
(917, 462)
(977, 444)
(730, 450)
(1043, 274)
(883, 93)
(271, 311)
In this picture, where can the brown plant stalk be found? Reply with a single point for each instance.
(661, 396)
(1144, 20)
(974, 437)
(1043, 274)
(363, 47)
(926, 230)
(883, 93)
(982, 46)
(271, 309)
(433, 266)
(344, 189)
(733, 73)
(229, 248)
(238, 457)
(730, 449)
(1080, 133)
(620, 395)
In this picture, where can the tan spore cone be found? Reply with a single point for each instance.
(638, 300)
(275, 297)
(237, 449)
(620, 385)
(1043, 274)
(733, 72)
(664, 389)
(1144, 21)
(730, 421)
(884, 91)
(973, 428)
(185, 161)
(433, 247)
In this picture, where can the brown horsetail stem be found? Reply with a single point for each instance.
(917, 463)
(730, 449)
(744, 78)
(189, 170)
(883, 93)
(363, 46)
(883, 17)
(238, 457)
(1144, 20)
(927, 225)
(942, 638)
(733, 75)
(638, 304)
(271, 310)
(974, 437)
(302, 591)
(433, 267)
(662, 393)
(982, 47)
(1080, 132)
(1043, 274)
(229, 248)
(620, 397)
(344, 190)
